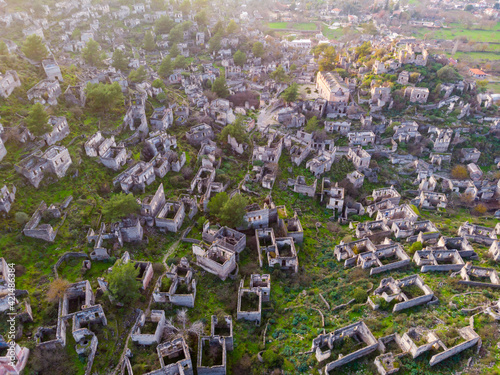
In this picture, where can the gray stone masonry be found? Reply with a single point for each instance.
(155, 324)
(324, 344)
(399, 290)
(249, 303)
(216, 259)
(176, 350)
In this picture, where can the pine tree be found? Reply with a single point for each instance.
(220, 87)
(240, 58)
(122, 283)
(3, 49)
(34, 48)
(37, 120)
(149, 42)
(119, 60)
(174, 51)
(91, 54)
(165, 69)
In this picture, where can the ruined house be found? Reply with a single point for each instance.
(250, 299)
(177, 285)
(45, 92)
(60, 130)
(417, 94)
(135, 118)
(137, 176)
(442, 140)
(359, 157)
(479, 276)
(404, 293)
(361, 138)
(37, 226)
(199, 134)
(321, 163)
(52, 70)
(337, 126)
(55, 159)
(438, 260)
(334, 195)
(161, 118)
(7, 198)
(299, 185)
(331, 344)
(76, 95)
(148, 330)
(8, 83)
(97, 145)
(216, 259)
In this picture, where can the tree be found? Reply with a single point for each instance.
(416, 246)
(201, 18)
(481, 85)
(180, 62)
(469, 7)
(240, 58)
(101, 97)
(57, 289)
(185, 7)
(166, 69)
(21, 217)
(138, 75)
(448, 74)
(149, 42)
(364, 50)
(232, 28)
(34, 48)
(312, 125)
(120, 206)
(123, 285)
(220, 88)
(459, 172)
(327, 61)
(360, 295)
(76, 34)
(480, 209)
(174, 51)
(218, 28)
(163, 25)
(291, 93)
(215, 43)
(91, 53)
(176, 35)
(258, 49)
(217, 203)
(37, 120)
(119, 60)
(279, 74)
(235, 130)
(233, 211)
(4, 50)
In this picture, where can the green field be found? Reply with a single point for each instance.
(337, 33)
(457, 30)
(469, 56)
(302, 26)
(277, 25)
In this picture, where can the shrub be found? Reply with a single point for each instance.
(21, 218)
(360, 295)
(57, 289)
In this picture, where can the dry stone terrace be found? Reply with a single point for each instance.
(223, 187)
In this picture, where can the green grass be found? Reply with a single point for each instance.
(471, 56)
(301, 26)
(457, 31)
(277, 25)
(305, 26)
